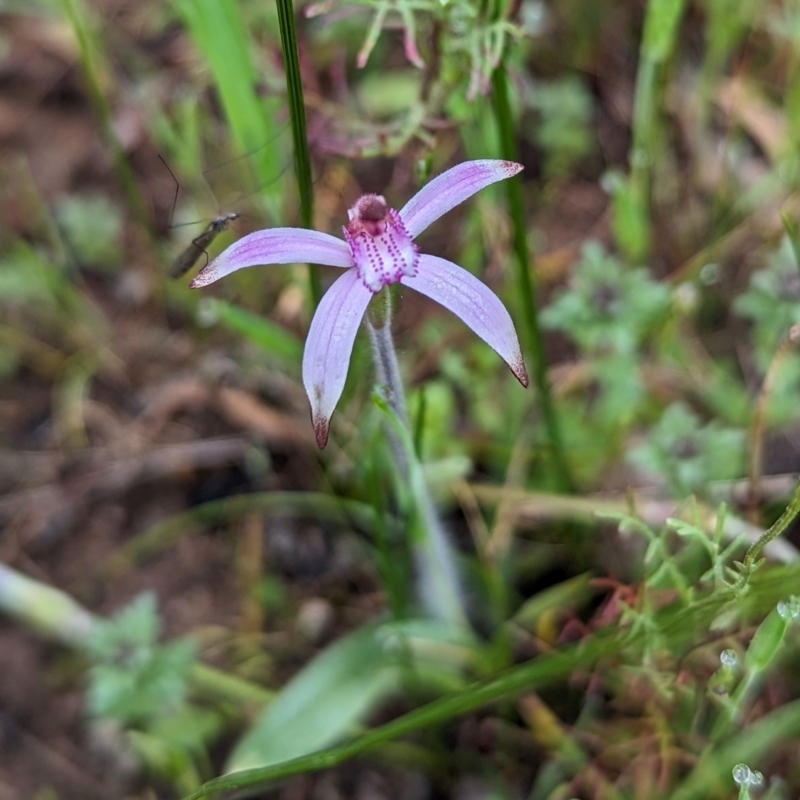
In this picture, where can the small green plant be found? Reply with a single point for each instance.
(772, 302)
(141, 685)
(565, 110)
(686, 454)
(134, 679)
(609, 311)
(92, 228)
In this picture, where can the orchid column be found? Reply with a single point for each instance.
(378, 251)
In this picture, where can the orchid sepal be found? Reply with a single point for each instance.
(474, 303)
(452, 188)
(329, 345)
(277, 246)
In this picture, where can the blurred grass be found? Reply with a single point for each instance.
(660, 35)
(222, 39)
(780, 726)
(216, 512)
(92, 58)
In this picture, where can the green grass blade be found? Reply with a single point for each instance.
(661, 26)
(323, 702)
(297, 111)
(88, 46)
(438, 577)
(778, 528)
(220, 34)
(793, 233)
(531, 676)
(712, 776)
(215, 512)
(534, 340)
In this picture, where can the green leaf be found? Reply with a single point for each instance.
(133, 679)
(532, 338)
(711, 776)
(572, 595)
(529, 676)
(793, 234)
(92, 225)
(630, 220)
(766, 642)
(324, 701)
(221, 36)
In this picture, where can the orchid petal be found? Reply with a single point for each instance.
(478, 306)
(451, 188)
(277, 246)
(329, 345)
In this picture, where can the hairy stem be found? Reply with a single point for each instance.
(437, 571)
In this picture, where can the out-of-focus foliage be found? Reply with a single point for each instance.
(612, 642)
(610, 311)
(563, 130)
(687, 454)
(134, 679)
(92, 228)
(772, 302)
(608, 308)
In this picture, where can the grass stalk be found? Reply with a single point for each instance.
(661, 26)
(221, 36)
(778, 528)
(533, 339)
(292, 505)
(88, 48)
(672, 626)
(525, 677)
(297, 113)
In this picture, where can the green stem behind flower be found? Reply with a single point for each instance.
(379, 325)
(534, 339)
(297, 112)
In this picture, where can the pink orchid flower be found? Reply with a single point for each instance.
(379, 250)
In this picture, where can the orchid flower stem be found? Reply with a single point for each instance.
(437, 570)
(527, 288)
(379, 324)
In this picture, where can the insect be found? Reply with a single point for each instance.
(189, 256)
